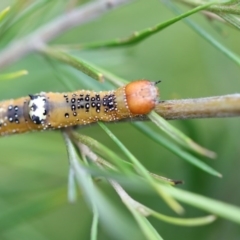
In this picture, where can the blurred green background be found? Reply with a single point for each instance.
(34, 166)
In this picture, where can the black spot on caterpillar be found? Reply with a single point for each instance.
(58, 110)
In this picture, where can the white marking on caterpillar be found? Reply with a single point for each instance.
(38, 111)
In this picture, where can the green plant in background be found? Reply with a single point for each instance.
(23, 30)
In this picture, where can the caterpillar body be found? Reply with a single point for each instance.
(58, 110)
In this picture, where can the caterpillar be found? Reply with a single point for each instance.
(58, 110)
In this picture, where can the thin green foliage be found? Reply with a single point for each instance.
(178, 136)
(138, 214)
(13, 75)
(201, 32)
(3, 13)
(102, 150)
(229, 7)
(139, 36)
(15, 9)
(218, 208)
(94, 227)
(72, 190)
(190, 222)
(109, 76)
(74, 62)
(140, 168)
(139, 211)
(103, 206)
(147, 228)
(19, 17)
(233, 20)
(144, 211)
(171, 146)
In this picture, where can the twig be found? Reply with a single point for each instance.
(211, 107)
(37, 39)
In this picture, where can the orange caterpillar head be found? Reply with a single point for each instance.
(142, 96)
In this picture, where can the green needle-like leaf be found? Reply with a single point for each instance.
(137, 37)
(98, 202)
(216, 207)
(13, 75)
(141, 169)
(3, 13)
(175, 149)
(103, 151)
(74, 62)
(178, 136)
(201, 32)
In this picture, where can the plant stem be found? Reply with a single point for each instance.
(211, 107)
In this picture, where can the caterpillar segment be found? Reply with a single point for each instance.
(58, 110)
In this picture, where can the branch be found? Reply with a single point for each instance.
(37, 39)
(211, 107)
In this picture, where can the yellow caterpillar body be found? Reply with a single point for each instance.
(58, 110)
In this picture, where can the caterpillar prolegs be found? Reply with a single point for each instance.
(58, 110)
